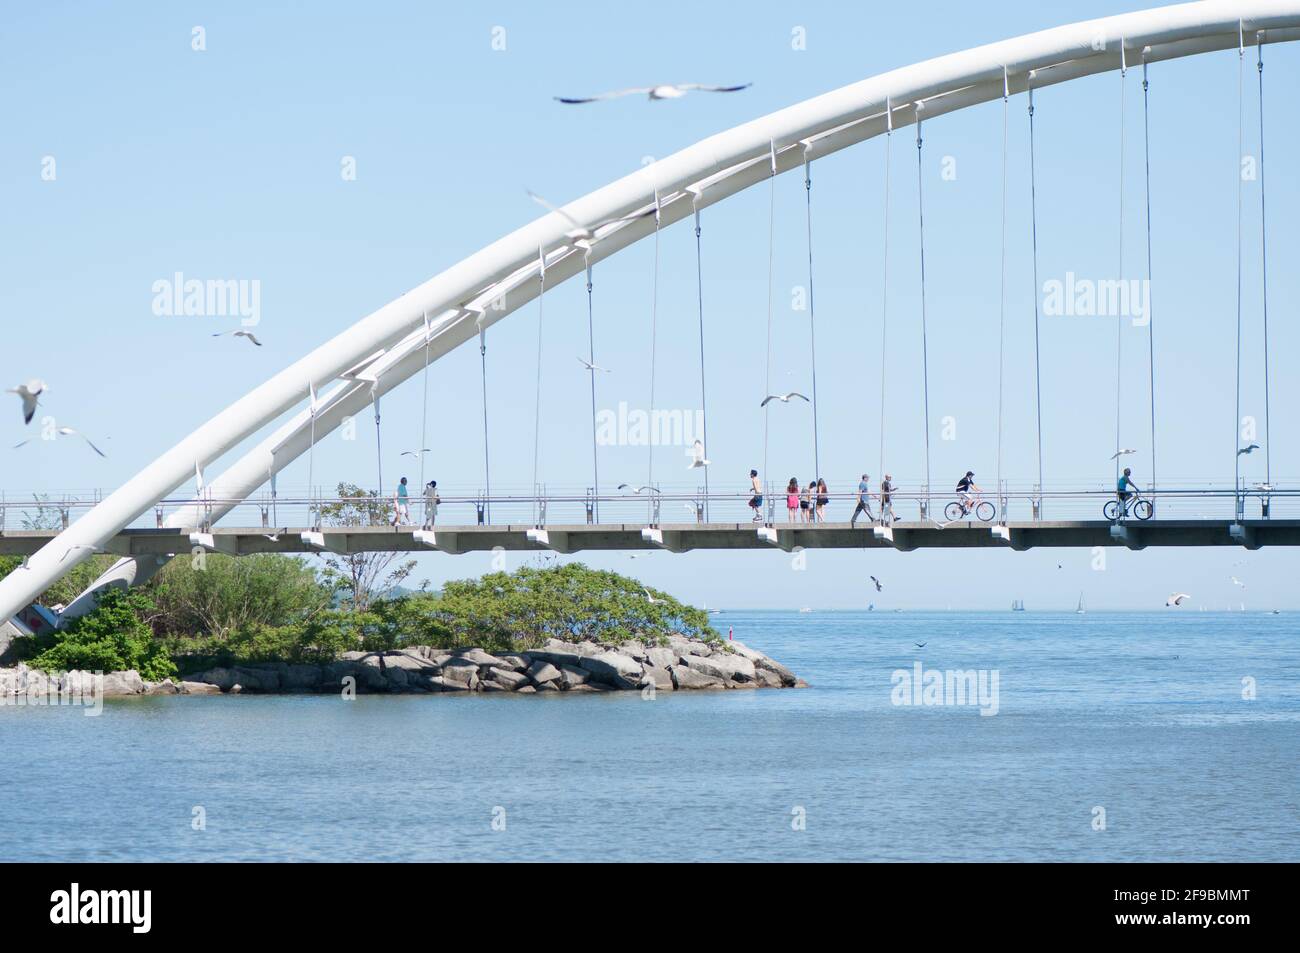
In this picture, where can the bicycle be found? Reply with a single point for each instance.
(1132, 506)
(957, 510)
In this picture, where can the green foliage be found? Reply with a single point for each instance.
(570, 602)
(114, 637)
(231, 595)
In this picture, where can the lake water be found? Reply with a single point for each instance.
(1140, 716)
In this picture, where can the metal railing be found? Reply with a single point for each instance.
(653, 506)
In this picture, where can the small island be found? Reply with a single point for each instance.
(275, 624)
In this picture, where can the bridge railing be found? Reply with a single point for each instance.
(659, 505)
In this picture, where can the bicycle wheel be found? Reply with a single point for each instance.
(953, 512)
(985, 511)
(1111, 510)
(1143, 509)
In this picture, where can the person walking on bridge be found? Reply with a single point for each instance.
(402, 505)
(864, 502)
(431, 501)
(887, 500)
(756, 500)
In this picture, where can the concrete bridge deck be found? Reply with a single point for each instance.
(685, 537)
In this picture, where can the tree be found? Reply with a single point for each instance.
(230, 594)
(111, 638)
(363, 578)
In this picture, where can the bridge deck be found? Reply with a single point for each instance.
(684, 537)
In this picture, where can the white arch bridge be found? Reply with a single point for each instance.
(353, 371)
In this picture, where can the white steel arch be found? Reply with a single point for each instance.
(387, 346)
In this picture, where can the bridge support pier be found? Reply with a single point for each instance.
(555, 541)
(1245, 535)
(1127, 535)
(442, 542)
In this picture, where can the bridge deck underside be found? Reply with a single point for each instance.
(685, 537)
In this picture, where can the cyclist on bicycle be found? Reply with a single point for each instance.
(966, 489)
(1126, 489)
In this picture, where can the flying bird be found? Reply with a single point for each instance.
(1121, 453)
(29, 393)
(1238, 582)
(415, 454)
(586, 233)
(1251, 449)
(239, 333)
(68, 432)
(637, 489)
(879, 587)
(80, 547)
(783, 398)
(649, 598)
(696, 453)
(593, 367)
(669, 91)
(920, 645)
(1177, 599)
(274, 537)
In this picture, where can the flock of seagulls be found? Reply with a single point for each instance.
(30, 395)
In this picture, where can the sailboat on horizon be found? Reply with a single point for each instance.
(1080, 610)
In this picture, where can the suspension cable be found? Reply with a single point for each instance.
(1263, 242)
(379, 446)
(1002, 300)
(812, 313)
(424, 416)
(487, 468)
(1151, 331)
(925, 348)
(311, 447)
(771, 257)
(884, 285)
(1033, 216)
(704, 410)
(591, 359)
(654, 334)
(537, 400)
(1241, 147)
(1119, 318)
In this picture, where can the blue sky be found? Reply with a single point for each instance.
(225, 163)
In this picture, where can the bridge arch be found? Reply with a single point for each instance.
(388, 346)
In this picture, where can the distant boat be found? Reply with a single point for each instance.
(805, 609)
(871, 607)
(1017, 605)
(1080, 610)
(1277, 612)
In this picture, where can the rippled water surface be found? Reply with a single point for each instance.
(1140, 716)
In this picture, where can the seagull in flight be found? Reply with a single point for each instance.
(586, 233)
(1238, 582)
(69, 432)
(1177, 599)
(239, 333)
(80, 547)
(783, 398)
(1121, 453)
(637, 489)
(920, 645)
(1251, 449)
(696, 453)
(592, 367)
(649, 598)
(415, 454)
(669, 91)
(29, 393)
(879, 587)
(274, 537)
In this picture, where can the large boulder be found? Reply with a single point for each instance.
(765, 663)
(543, 672)
(301, 678)
(564, 653)
(661, 678)
(684, 646)
(479, 657)
(721, 665)
(613, 668)
(505, 678)
(661, 656)
(199, 688)
(571, 678)
(685, 678)
(123, 683)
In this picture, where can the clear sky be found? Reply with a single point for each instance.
(227, 163)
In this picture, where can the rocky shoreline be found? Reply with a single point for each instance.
(681, 665)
